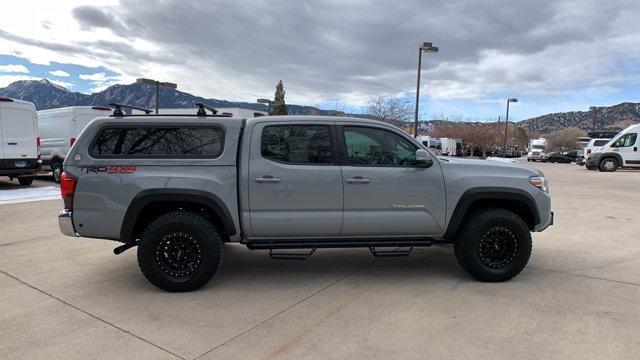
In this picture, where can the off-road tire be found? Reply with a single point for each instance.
(200, 233)
(25, 180)
(608, 164)
(56, 171)
(472, 237)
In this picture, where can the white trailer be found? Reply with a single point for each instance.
(59, 128)
(448, 146)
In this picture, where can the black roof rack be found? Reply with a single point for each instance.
(118, 109)
(202, 111)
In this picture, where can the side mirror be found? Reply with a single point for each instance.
(423, 159)
(616, 144)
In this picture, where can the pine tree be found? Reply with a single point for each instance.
(279, 107)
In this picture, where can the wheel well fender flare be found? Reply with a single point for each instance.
(472, 196)
(150, 196)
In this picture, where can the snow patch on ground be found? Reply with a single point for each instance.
(29, 194)
(502, 159)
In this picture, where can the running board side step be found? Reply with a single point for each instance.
(390, 253)
(291, 256)
(338, 243)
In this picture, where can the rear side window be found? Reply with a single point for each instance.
(297, 144)
(164, 142)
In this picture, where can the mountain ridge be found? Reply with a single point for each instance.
(47, 95)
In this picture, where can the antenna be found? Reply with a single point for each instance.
(118, 109)
(202, 111)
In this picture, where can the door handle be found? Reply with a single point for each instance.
(357, 180)
(635, 148)
(267, 179)
(12, 143)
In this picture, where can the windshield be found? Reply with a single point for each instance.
(538, 147)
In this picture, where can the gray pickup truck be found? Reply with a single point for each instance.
(180, 187)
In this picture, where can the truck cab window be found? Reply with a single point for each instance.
(376, 147)
(627, 140)
(297, 144)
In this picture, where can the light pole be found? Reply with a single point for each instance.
(595, 117)
(427, 47)
(158, 84)
(506, 122)
(266, 101)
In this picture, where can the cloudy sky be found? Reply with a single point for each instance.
(552, 55)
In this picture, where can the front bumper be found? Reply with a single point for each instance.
(545, 223)
(65, 222)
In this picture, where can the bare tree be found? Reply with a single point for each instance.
(390, 108)
(565, 138)
(473, 134)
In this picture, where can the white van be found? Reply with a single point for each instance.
(448, 146)
(20, 149)
(59, 129)
(621, 151)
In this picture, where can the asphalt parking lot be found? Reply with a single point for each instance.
(579, 297)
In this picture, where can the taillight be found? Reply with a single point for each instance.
(588, 151)
(72, 141)
(38, 148)
(68, 184)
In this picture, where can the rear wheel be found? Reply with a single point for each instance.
(179, 251)
(56, 170)
(25, 180)
(608, 165)
(493, 245)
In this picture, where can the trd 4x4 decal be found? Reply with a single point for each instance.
(109, 169)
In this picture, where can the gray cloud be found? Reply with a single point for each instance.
(331, 49)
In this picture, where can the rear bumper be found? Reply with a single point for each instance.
(8, 167)
(65, 222)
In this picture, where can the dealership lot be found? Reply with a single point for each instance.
(577, 299)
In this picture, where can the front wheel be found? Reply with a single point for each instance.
(179, 251)
(493, 245)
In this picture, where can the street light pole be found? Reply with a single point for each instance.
(428, 47)
(506, 122)
(595, 117)
(266, 101)
(157, 84)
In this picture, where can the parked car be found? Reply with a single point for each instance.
(593, 145)
(20, 156)
(621, 151)
(59, 129)
(565, 157)
(179, 187)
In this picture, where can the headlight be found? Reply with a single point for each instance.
(540, 182)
